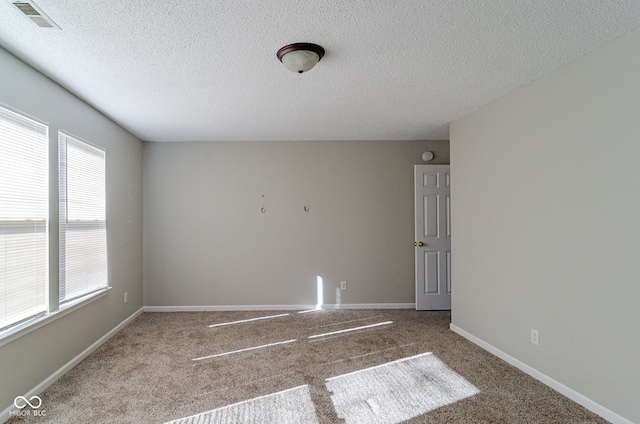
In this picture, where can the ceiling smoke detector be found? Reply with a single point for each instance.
(35, 15)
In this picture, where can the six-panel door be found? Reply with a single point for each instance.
(433, 237)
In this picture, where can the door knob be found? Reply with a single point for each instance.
(418, 243)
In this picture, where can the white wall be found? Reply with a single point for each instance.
(206, 242)
(546, 224)
(27, 361)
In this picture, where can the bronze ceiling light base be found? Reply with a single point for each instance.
(300, 57)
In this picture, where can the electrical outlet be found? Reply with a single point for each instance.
(343, 285)
(535, 337)
(126, 297)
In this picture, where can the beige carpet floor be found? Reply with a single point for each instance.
(386, 366)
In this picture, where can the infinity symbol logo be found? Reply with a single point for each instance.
(35, 405)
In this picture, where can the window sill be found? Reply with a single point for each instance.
(13, 333)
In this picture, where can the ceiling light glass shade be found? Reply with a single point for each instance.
(300, 61)
(300, 57)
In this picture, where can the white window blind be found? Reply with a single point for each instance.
(23, 218)
(83, 232)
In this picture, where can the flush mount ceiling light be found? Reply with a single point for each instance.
(300, 57)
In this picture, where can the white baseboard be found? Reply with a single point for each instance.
(579, 398)
(224, 308)
(218, 308)
(371, 306)
(4, 415)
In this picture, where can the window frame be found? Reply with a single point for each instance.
(54, 310)
(65, 224)
(33, 209)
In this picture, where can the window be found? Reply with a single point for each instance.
(83, 232)
(23, 218)
(29, 294)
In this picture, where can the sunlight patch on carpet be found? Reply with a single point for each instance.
(348, 330)
(244, 350)
(292, 406)
(242, 321)
(397, 391)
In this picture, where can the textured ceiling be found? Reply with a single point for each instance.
(394, 70)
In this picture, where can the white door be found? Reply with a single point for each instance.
(433, 237)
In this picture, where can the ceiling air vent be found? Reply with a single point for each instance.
(35, 15)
